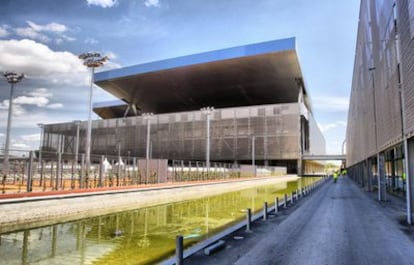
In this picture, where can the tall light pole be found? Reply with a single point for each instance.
(92, 60)
(380, 181)
(12, 78)
(253, 150)
(147, 117)
(207, 111)
(41, 126)
(343, 147)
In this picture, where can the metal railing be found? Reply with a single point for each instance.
(30, 171)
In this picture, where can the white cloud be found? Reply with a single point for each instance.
(44, 33)
(91, 41)
(20, 146)
(36, 60)
(37, 101)
(102, 3)
(18, 110)
(3, 32)
(63, 38)
(32, 34)
(55, 106)
(111, 55)
(330, 126)
(31, 137)
(331, 103)
(40, 92)
(39, 97)
(149, 3)
(51, 27)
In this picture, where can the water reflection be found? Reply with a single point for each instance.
(142, 236)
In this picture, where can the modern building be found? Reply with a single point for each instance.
(380, 147)
(253, 98)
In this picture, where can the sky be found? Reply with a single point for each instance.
(43, 39)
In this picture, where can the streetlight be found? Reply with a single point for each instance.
(77, 123)
(207, 111)
(380, 180)
(92, 60)
(147, 117)
(343, 147)
(253, 150)
(41, 126)
(12, 78)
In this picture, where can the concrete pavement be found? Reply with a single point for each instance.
(339, 224)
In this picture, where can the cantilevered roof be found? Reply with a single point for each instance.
(255, 74)
(114, 108)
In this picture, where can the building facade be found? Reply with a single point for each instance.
(261, 115)
(381, 112)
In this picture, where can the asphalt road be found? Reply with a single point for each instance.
(338, 224)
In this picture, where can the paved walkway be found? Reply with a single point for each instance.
(339, 224)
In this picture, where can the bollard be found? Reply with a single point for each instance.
(285, 201)
(265, 211)
(277, 205)
(30, 173)
(297, 194)
(179, 250)
(292, 197)
(248, 220)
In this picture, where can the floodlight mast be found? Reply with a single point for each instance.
(207, 111)
(147, 116)
(12, 78)
(91, 60)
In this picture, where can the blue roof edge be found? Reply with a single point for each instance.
(272, 46)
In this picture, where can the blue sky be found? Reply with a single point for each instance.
(43, 38)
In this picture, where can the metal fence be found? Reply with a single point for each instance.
(31, 171)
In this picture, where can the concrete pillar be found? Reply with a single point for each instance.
(393, 169)
(361, 173)
(369, 174)
(409, 163)
(382, 192)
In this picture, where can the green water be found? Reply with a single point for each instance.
(145, 236)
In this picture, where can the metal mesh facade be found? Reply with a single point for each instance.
(375, 112)
(273, 128)
(406, 28)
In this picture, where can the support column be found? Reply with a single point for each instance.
(393, 170)
(409, 162)
(369, 174)
(382, 192)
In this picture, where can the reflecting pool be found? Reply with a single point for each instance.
(141, 236)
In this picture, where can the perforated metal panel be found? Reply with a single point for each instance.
(374, 118)
(274, 129)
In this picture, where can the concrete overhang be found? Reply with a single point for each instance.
(255, 74)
